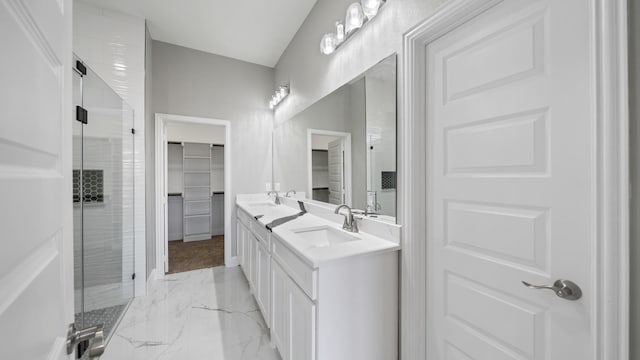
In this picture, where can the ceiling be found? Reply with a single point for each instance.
(257, 31)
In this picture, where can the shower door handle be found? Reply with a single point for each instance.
(94, 334)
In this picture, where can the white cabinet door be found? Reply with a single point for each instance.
(240, 243)
(263, 284)
(279, 309)
(36, 260)
(253, 261)
(302, 320)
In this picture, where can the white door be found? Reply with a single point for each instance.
(36, 263)
(510, 184)
(336, 172)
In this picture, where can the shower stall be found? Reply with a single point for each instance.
(103, 207)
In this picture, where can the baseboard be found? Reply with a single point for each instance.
(233, 262)
(151, 278)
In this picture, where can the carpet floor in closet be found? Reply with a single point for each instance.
(194, 255)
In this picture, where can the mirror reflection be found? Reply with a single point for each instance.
(342, 149)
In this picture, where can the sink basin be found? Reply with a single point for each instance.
(263, 204)
(323, 236)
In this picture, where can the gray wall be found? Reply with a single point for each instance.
(150, 199)
(194, 83)
(313, 75)
(634, 107)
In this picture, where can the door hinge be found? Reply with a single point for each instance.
(133, 131)
(133, 276)
(82, 114)
(81, 68)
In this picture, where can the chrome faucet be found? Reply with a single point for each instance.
(277, 200)
(288, 192)
(350, 223)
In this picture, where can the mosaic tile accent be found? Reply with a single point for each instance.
(388, 180)
(93, 186)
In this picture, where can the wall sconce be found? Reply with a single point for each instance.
(281, 93)
(357, 15)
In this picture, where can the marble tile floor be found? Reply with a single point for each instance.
(201, 314)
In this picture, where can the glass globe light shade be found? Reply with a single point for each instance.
(328, 43)
(370, 7)
(354, 18)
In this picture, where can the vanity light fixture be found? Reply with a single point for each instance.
(357, 15)
(281, 93)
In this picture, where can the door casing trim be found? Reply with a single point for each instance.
(609, 79)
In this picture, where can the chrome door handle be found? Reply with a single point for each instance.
(74, 337)
(565, 289)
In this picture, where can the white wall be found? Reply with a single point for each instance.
(321, 142)
(174, 169)
(150, 150)
(196, 133)
(113, 45)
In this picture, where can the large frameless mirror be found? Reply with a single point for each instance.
(342, 149)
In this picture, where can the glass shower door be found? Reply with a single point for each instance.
(103, 204)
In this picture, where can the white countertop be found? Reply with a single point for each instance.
(315, 256)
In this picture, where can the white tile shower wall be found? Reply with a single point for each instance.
(113, 45)
(381, 137)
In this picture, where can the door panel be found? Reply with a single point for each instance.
(509, 184)
(35, 179)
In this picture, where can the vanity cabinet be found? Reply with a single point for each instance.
(242, 236)
(255, 260)
(343, 309)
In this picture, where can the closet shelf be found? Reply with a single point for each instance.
(191, 216)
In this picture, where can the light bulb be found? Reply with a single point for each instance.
(354, 18)
(328, 43)
(283, 91)
(339, 32)
(271, 105)
(370, 7)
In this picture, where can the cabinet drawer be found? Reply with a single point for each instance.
(260, 232)
(304, 276)
(197, 207)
